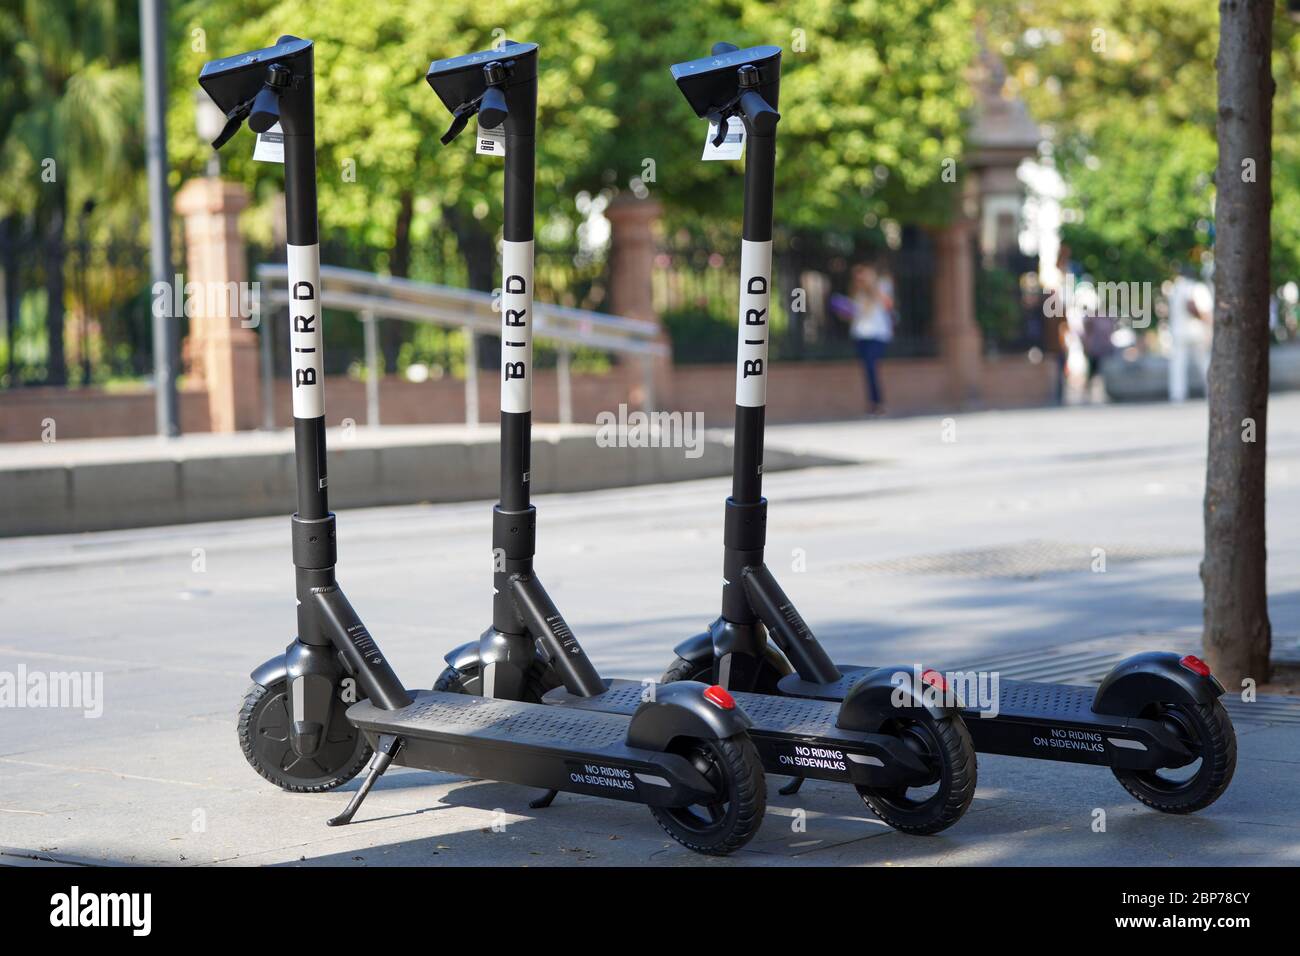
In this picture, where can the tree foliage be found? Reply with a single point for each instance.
(1143, 201)
(70, 143)
(872, 101)
(1128, 87)
(873, 98)
(378, 122)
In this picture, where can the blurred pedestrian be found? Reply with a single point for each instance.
(1191, 310)
(1062, 357)
(871, 326)
(1098, 344)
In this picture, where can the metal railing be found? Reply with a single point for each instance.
(374, 298)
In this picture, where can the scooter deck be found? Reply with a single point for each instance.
(533, 745)
(794, 737)
(1033, 719)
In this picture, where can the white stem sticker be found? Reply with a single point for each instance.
(305, 336)
(751, 341)
(517, 327)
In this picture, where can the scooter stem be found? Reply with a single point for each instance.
(753, 325)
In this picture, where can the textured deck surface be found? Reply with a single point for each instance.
(796, 716)
(444, 715)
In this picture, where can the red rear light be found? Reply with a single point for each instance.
(1196, 665)
(934, 679)
(718, 697)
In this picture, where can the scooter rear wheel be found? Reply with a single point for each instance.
(944, 744)
(264, 721)
(733, 766)
(1204, 729)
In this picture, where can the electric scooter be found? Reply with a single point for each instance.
(685, 754)
(895, 740)
(1152, 714)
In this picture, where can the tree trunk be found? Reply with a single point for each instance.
(476, 245)
(391, 333)
(56, 366)
(1237, 630)
(12, 278)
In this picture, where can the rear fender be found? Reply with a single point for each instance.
(1155, 677)
(891, 692)
(681, 710)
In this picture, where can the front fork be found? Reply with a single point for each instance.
(525, 619)
(312, 669)
(753, 602)
(332, 643)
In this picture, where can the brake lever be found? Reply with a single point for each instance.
(234, 119)
(496, 74)
(460, 117)
(278, 77)
(721, 118)
(748, 82)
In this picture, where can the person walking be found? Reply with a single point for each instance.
(1098, 345)
(871, 326)
(1191, 310)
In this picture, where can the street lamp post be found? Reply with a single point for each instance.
(165, 353)
(209, 121)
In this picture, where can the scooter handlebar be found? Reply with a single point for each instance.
(266, 110)
(492, 109)
(762, 119)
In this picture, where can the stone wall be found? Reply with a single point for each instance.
(798, 391)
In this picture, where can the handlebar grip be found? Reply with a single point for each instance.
(266, 110)
(721, 47)
(492, 109)
(761, 117)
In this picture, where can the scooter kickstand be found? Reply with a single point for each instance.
(792, 787)
(389, 747)
(545, 800)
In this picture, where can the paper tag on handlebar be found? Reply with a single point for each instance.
(489, 142)
(733, 147)
(270, 146)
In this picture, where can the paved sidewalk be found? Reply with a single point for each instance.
(975, 551)
(113, 483)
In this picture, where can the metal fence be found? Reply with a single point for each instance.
(373, 299)
(106, 293)
(696, 290)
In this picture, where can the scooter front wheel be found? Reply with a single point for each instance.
(944, 745)
(1205, 730)
(264, 721)
(766, 683)
(470, 681)
(733, 766)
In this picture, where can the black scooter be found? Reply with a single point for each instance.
(894, 738)
(1153, 713)
(685, 754)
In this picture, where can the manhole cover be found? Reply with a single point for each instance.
(1026, 560)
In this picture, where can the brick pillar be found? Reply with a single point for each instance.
(220, 354)
(961, 346)
(631, 257)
